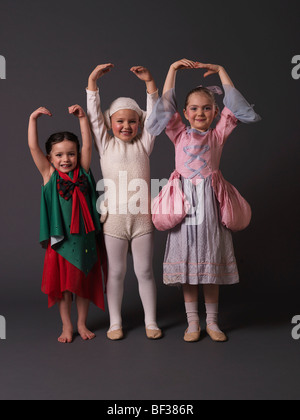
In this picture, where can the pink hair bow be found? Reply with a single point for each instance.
(214, 89)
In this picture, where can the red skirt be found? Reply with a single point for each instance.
(60, 276)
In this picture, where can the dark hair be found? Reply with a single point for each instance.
(203, 90)
(60, 137)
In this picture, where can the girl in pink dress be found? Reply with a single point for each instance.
(199, 250)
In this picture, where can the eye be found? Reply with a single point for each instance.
(207, 108)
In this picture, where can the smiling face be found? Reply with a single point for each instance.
(200, 111)
(125, 124)
(64, 156)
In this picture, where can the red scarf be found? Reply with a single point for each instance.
(78, 201)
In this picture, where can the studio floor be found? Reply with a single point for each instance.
(260, 361)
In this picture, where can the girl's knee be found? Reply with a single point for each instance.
(67, 296)
(144, 275)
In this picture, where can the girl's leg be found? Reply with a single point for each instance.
(117, 250)
(191, 298)
(64, 306)
(83, 309)
(142, 252)
(211, 297)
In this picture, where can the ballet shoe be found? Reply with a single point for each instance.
(192, 337)
(216, 335)
(153, 334)
(115, 334)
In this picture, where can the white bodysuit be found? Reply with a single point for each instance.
(126, 167)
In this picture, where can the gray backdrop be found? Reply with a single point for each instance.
(50, 48)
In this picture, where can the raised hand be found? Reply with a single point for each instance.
(39, 112)
(216, 69)
(184, 64)
(98, 72)
(77, 111)
(142, 73)
(211, 68)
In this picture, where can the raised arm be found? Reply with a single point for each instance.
(98, 72)
(216, 69)
(95, 116)
(86, 149)
(171, 76)
(40, 160)
(144, 74)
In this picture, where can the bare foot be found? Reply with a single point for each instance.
(66, 336)
(85, 334)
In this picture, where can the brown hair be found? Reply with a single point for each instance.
(203, 90)
(59, 138)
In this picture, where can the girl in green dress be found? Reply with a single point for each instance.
(70, 229)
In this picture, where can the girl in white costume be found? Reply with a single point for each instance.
(124, 160)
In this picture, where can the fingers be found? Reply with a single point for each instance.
(44, 110)
(100, 70)
(208, 73)
(139, 71)
(105, 68)
(41, 111)
(212, 68)
(73, 108)
(138, 68)
(188, 63)
(76, 110)
(184, 63)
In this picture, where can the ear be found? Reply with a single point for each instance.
(185, 114)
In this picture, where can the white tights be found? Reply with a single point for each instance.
(142, 253)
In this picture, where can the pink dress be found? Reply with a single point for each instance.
(200, 249)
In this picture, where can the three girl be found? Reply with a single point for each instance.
(199, 251)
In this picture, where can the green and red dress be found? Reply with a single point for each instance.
(71, 232)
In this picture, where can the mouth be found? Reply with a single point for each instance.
(126, 133)
(66, 166)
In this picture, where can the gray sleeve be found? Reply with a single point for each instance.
(162, 112)
(238, 105)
